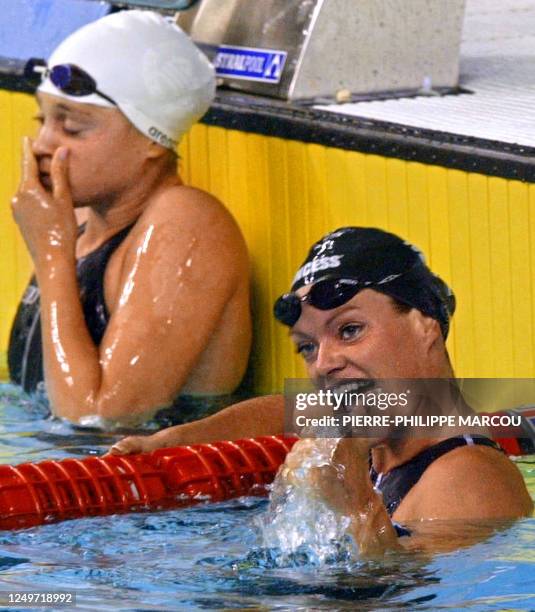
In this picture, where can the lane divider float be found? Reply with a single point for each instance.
(51, 491)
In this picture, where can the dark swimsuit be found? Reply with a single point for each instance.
(395, 485)
(25, 352)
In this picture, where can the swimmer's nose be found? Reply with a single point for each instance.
(330, 360)
(45, 143)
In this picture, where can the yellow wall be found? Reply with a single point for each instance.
(475, 230)
(16, 112)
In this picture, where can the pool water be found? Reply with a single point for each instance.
(211, 556)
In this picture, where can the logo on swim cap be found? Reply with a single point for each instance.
(320, 263)
(164, 140)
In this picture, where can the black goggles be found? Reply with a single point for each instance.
(68, 78)
(324, 295)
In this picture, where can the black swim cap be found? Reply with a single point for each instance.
(383, 262)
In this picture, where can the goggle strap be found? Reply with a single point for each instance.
(34, 69)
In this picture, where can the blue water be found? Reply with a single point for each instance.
(210, 557)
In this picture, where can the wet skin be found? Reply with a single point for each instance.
(177, 288)
(368, 337)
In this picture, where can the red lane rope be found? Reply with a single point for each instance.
(70, 483)
(49, 491)
(33, 494)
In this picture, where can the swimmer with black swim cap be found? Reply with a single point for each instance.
(148, 301)
(351, 259)
(364, 305)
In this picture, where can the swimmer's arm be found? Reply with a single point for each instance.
(175, 283)
(261, 416)
(48, 225)
(345, 486)
(370, 526)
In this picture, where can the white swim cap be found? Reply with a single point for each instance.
(147, 65)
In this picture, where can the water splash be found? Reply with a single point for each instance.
(298, 523)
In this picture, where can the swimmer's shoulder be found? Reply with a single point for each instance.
(169, 226)
(189, 204)
(181, 212)
(468, 482)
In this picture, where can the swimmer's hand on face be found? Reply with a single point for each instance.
(46, 220)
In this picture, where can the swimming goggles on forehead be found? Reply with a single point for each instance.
(325, 295)
(68, 78)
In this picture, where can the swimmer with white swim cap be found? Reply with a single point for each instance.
(148, 301)
(147, 67)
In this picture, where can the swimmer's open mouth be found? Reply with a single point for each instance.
(362, 385)
(349, 389)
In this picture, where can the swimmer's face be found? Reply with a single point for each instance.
(106, 153)
(365, 338)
